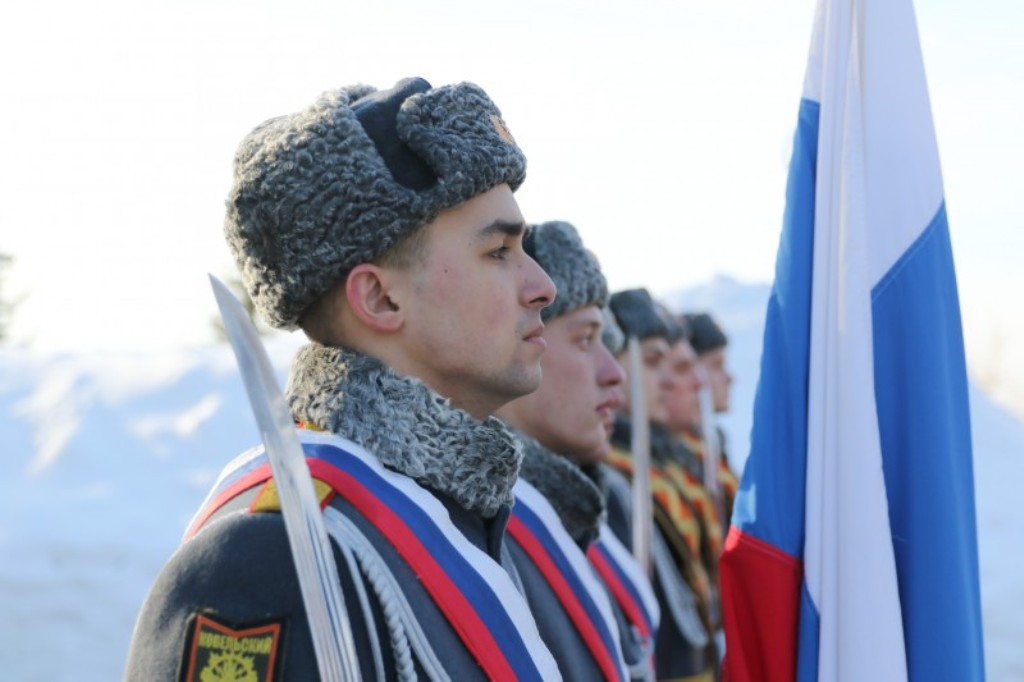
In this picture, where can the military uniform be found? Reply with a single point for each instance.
(586, 592)
(684, 649)
(688, 533)
(552, 487)
(728, 481)
(417, 497)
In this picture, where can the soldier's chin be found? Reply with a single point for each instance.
(595, 452)
(525, 381)
(538, 376)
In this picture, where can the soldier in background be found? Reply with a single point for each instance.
(680, 437)
(708, 344)
(565, 429)
(684, 648)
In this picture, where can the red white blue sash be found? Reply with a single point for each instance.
(474, 592)
(249, 469)
(626, 582)
(535, 526)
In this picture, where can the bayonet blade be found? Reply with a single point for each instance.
(642, 520)
(303, 518)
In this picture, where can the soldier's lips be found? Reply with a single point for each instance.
(536, 337)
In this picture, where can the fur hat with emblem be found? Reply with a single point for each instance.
(341, 182)
(705, 334)
(611, 333)
(638, 315)
(558, 249)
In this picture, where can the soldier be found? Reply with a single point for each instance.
(684, 649)
(383, 224)
(682, 402)
(563, 426)
(707, 344)
(679, 437)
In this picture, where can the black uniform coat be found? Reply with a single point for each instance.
(233, 585)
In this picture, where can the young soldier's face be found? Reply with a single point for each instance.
(682, 397)
(471, 306)
(580, 391)
(656, 379)
(719, 378)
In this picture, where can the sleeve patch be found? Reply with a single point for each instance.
(218, 652)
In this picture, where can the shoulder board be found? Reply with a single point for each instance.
(268, 501)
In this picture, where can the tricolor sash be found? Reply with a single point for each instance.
(626, 582)
(474, 592)
(535, 526)
(249, 469)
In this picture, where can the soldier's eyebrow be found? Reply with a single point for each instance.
(584, 328)
(503, 227)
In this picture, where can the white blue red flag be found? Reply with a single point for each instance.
(853, 553)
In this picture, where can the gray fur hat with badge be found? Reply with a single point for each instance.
(611, 333)
(343, 181)
(558, 249)
(638, 315)
(705, 334)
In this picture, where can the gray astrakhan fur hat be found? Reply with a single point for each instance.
(341, 182)
(558, 249)
(705, 334)
(638, 314)
(676, 329)
(611, 333)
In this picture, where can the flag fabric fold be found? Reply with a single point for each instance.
(853, 551)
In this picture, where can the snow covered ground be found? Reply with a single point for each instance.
(104, 459)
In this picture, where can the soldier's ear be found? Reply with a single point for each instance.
(368, 291)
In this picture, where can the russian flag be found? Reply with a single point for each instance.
(853, 554)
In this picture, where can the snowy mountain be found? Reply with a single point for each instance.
(105, 457)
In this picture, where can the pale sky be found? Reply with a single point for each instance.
(660, 128)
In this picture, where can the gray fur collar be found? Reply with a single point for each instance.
(407, 426)
(576, 499)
